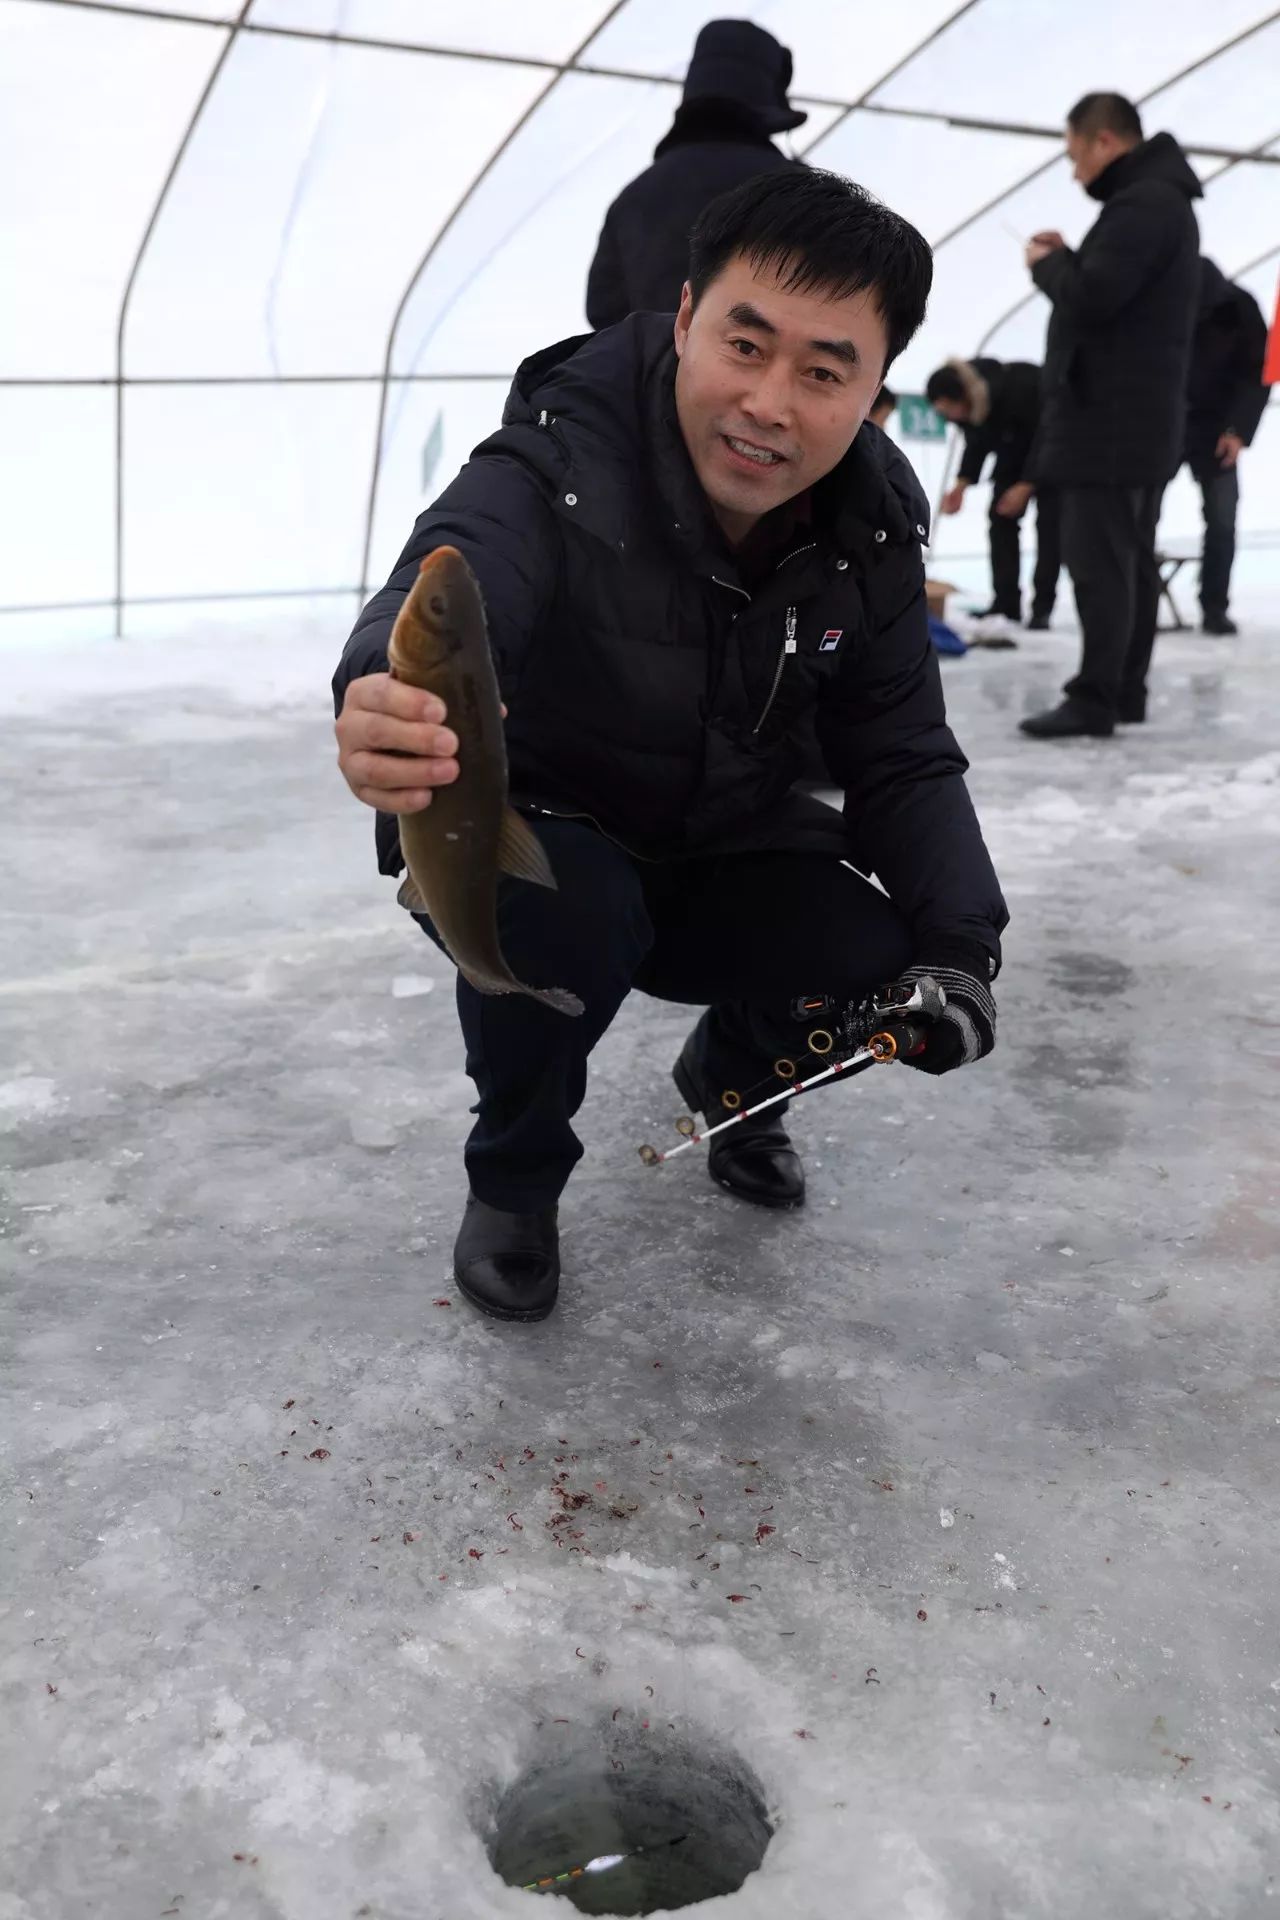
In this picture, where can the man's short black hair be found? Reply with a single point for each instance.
(821, 234)
(1105, 113)
(886, 397)
(944, 384)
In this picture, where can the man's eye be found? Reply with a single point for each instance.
(825, 375)
(744, 347)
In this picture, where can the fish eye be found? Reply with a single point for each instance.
(438, 605)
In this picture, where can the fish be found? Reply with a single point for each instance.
(457, 846)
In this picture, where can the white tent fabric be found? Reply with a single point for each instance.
(270, 265)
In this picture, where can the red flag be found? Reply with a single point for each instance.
(1271, 366)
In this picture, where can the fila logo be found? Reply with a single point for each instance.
(831, 639)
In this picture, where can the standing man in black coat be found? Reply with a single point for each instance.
(1226, 400)
(1115, 378)
(691, 548)
(734, 100)
(997, 404)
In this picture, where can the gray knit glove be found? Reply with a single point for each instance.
(950, 999)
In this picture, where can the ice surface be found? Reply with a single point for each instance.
(296, 1598)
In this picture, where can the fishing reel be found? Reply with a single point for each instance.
(892, 1022)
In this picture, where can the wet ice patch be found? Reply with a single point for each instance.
(410, 986)
(1001, 1574)
(27, 1097)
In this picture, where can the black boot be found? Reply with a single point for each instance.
(1065, 722)
(754, 1160)
(508, 1264)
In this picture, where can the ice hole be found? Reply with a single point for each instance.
(622, 1818)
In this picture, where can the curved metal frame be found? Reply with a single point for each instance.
(1027, 298)
(233, 28)
(489, 164)
(882, 80)
(437, 240)
(1257, 261)
(1205, 59)
(274, 30)
(122, 320)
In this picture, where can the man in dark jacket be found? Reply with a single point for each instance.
(1226, 400)
(998, 407)
(735, 98)
(689, 549)
(1115, 376)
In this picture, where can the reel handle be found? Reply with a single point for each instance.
(902, 1041)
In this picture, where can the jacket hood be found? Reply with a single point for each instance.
(736, 61)
(976, 391)
(612, 396)
(725, 121)
(1160, 158)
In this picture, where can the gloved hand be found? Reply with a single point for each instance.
(952, 1002)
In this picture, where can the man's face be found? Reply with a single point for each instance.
(956, 411)
(1092, 154)
(771, 388)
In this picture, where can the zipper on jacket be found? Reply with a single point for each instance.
(788, 646)
(716, 581)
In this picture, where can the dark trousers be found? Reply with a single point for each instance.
(741, 936)
(1109, 549)
(1219, 497)
(1006, 553)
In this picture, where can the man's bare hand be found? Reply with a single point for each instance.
(1228, 450)
(953, 499)
(1014, 501)
(393, 746)
(1041, 245)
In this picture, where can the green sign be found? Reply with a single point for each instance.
(917, 419)
(432, 450)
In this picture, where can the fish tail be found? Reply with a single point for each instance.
(558, 997)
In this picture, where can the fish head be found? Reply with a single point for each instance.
(438, 618)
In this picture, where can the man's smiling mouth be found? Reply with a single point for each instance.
(759, 456)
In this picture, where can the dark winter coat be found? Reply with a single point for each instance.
(642, 258)
(654, 695)
(1004, 402)
(735, 97)
(1119, 339)
(1224, 390)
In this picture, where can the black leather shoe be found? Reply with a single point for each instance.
(1219, 623)
(754, 1160)
(996, 612)
(1132, 710)
(1039, 623)
(1066, 722)
(508, 1264)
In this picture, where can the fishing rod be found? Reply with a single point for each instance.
(899, 1038)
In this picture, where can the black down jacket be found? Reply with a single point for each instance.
(650, 692)
(642, 257)
(1224, 391)
(1004, 397)
(735, 97)
(1119, 340)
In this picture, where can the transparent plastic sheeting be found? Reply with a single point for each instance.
(426, 202)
